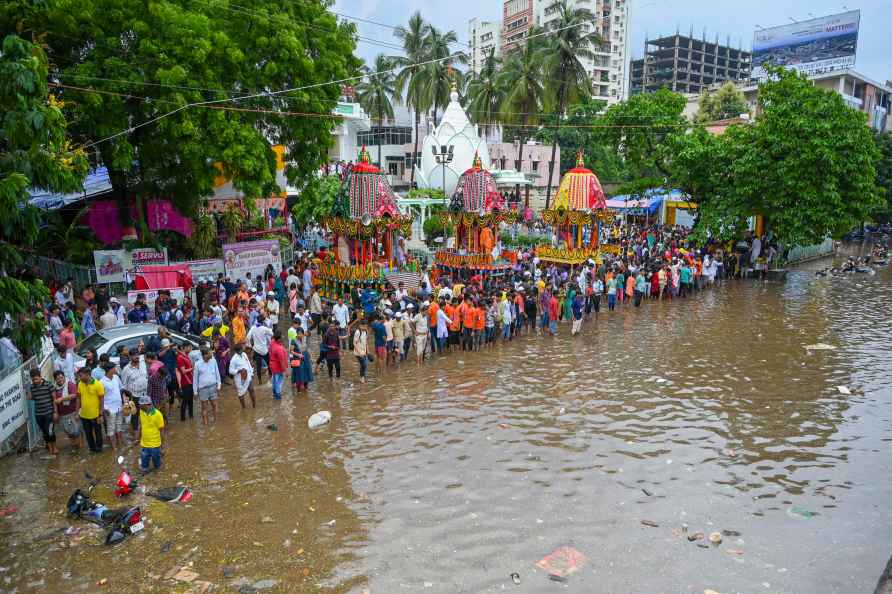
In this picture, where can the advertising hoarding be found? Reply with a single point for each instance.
(251, 256)
(816, 45)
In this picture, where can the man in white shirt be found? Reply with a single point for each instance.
(240, 369)
(112, 406)
(115, 308)
(272, 310)
(307, 282)
(108, 320)
(316, 309)
(206, 379)
(342, 317)
(258, 338)
(291, 280)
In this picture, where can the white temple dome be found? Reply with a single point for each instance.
(457, 131)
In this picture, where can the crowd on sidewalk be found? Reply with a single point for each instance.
(277, 325)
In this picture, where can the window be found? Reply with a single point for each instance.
(388, 135)
(502, 163)
(535, 166)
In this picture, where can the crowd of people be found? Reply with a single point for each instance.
(277, 325)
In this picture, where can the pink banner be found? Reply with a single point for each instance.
(104, 221)
(161, 214)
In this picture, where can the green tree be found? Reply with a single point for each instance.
(375, 92)
(574, 133)
(316, 200)
(727, 102)
(640, 131)
(568, 46)
(883, 214)
(807, 164)
(34, 152)
(411, 81)
(440, 73)
(485, 95)
(203, 241)
(145, 65)
(523, 81)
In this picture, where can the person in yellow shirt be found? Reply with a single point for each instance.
(238, 328)
(151, 428)
(91, 392)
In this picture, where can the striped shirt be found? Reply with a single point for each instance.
(42, 395)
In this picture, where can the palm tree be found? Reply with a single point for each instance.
(567, 48)
(375, 91)
(411, 78)
(522, 79)
(485, 94)
(440, 74)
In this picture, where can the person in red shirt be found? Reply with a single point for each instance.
(278, 363)
(433, 308)
(184, 375)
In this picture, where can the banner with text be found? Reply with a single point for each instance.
(812, 46)
(12, 405)
(202, 268)
(251, 256)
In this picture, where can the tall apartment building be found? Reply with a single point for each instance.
(688, 65)
(610, 67)
(518, 17)
(485, 37)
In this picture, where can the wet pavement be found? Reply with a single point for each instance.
(699, 415)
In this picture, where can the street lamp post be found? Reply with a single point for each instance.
(444, 157)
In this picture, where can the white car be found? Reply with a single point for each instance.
(130, 336)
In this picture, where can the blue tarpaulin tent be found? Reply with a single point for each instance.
(96, 183)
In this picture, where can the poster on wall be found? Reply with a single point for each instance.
(251, 257)
(147, 257)
(151, 296)
(110, 265)
(12, 405)
(816, 45)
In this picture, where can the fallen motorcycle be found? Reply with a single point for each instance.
(119, 522)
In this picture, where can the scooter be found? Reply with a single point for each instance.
(120, 522)
(126, 484)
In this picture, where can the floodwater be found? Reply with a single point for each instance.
(707, 412)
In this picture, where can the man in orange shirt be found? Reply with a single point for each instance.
(469, 323)
(479, 326)
(451, 311)
(432, 310)
(521, 315)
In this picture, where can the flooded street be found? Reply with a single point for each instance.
(706, 412)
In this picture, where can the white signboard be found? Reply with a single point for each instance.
(202, 268)
(251, 256)
(12, 405)
(812, 46)
(147, 257)
(110, 265)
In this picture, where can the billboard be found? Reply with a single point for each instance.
(251, 257)
(817, 45)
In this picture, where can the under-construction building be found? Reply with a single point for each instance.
(687, 65)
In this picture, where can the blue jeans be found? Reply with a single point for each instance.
(611, 301)
(278, 380)
(363, 365)
(506, 331)
(149, 453)
(543, 321)
(442, 343)
(552, 326)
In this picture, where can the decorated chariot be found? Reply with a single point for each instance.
(367, 229)
(476, 211)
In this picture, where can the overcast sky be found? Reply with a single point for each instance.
(652, 18)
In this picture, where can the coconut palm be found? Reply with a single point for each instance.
(570, 44)
(440, 74)
(485, 95)
(375, 92)
(522, 79)
(410, 82)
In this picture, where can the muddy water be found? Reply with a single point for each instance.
(707, 412)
